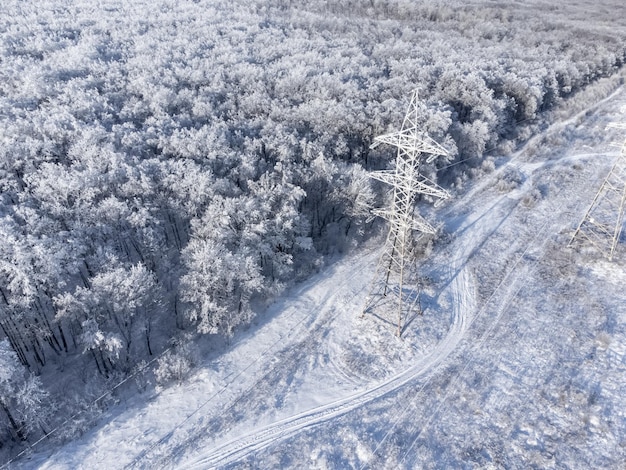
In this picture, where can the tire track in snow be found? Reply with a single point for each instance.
(305, 303)
(267, 435)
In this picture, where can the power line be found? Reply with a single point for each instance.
(78, 413)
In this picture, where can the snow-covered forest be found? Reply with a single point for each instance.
(169, 167)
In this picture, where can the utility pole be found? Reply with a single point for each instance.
(603, 222)
(394, 266)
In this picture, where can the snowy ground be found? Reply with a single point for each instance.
(517, 362)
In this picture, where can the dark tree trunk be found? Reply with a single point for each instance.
(18, 429)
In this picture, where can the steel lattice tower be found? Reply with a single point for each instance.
(603, 222)
(390, 279)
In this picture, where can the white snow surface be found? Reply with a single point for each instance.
(517, 362)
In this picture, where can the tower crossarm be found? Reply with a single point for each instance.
(430, 188)
(386, 176)
(420, 224)
(415, 223)
(420, 185)
(411, 142)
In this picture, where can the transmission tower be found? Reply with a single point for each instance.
(602, 224)
(391, 280)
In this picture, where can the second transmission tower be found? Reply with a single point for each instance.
(390, 279)
(603, 222)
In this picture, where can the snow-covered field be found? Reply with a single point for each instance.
(518, 361)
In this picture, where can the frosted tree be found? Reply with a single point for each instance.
(112, 314)
(23, 400)
(218, 286)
